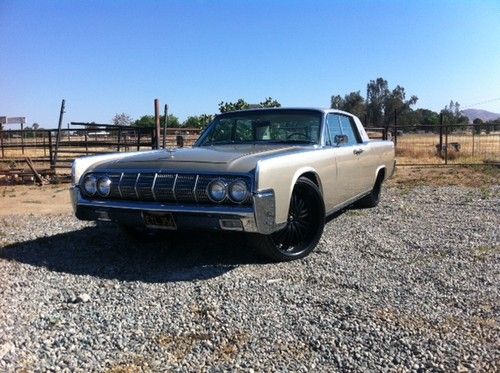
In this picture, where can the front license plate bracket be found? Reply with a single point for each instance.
(159, 220)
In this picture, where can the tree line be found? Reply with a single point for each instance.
(381, 106)
(194, 121)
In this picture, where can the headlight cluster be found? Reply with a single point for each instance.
(93, 185)
(218, 190)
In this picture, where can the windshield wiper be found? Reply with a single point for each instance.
(293, 142)
(259, 142)
(223, 143)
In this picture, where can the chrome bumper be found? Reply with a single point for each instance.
(260, 218)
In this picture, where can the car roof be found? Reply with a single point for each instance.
(322, 110)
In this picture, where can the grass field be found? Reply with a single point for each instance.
(421, 148)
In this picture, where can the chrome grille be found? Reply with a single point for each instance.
(164, 187)
(115, 180)
(144, 186)
(127, 185)
(201, 188)
(184, 188)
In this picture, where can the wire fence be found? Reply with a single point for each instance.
(58, 148)
(444, 144)
(415, 145)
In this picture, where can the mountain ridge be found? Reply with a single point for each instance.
(484, 115)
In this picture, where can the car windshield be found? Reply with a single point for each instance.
(266, 126)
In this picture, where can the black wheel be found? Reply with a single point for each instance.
(306, 220)
(372, 199)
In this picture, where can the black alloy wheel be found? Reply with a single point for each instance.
(304, 227)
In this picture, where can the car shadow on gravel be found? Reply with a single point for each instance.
(103, 251)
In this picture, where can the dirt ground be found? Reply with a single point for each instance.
(54, 199)
(32, 199)
(468, 176)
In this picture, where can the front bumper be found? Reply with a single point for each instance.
(260, 218)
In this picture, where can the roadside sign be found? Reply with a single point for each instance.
(21, 120)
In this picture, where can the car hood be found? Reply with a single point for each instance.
(219, 158)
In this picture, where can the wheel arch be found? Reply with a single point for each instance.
(309, 173)
(381, 171)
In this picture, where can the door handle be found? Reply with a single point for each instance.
(358, 151)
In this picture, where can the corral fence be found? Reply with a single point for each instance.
(57, 148)
(446, 144)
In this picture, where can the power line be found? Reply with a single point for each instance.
(481, 103)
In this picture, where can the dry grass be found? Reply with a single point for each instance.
(421, 148)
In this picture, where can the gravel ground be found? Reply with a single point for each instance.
(410, 285)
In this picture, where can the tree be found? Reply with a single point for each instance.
(35, 126)
(148, 121)
(269, 102)
(477, 125)
(198, 121)
(452, 116)
(241, 104)
(122, 120)
(353, 103)
(396, 104)
(377, 92)
(172, 122)
(225, 107)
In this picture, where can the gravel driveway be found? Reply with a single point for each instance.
(410, 285)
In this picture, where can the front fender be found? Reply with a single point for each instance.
(82, 164)
(281, 178)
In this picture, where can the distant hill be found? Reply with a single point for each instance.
(481, 114)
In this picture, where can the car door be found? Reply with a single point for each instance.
(361, 152)
(344, 185)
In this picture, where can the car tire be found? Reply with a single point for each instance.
(372, 199)
(303, 229)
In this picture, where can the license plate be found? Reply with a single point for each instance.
(159, 220)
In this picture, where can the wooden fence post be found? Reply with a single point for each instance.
(441, 134)
(119, 138)
(157, 124)
(446, 145)
(395, 128)
(49, 133)
(1, 143)
(58, 139)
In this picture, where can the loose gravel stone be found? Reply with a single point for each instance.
(410, 285)
(82, 298)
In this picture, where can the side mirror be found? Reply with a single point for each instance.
(340, 139)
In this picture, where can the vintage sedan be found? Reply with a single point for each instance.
(275, 174)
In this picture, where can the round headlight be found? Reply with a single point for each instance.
(217, 190)
(104, 186)
(90, 184)
(238, 191)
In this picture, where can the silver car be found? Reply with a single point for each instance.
(272, 173)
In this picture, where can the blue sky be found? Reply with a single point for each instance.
(107, 57)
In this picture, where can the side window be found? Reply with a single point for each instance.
(348, 128)
(333, 124)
